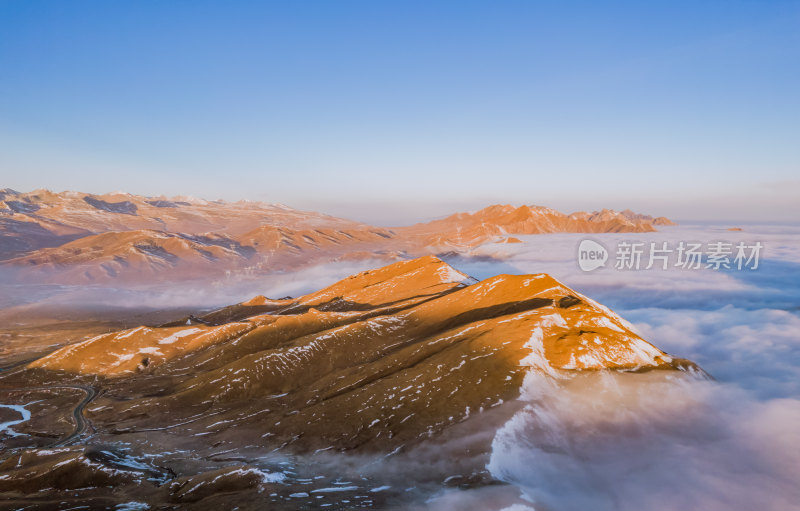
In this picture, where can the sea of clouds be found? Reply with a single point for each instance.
(643, 441)
(629, 441)
(656, 441)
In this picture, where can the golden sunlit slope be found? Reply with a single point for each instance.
(281, 249)
(133, 256)
(125, 212)
(145, 255)
(379, 360)
(38, 219)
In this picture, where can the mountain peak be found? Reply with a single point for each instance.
(422, 295)
(403, 280)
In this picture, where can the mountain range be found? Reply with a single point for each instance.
(79, 238)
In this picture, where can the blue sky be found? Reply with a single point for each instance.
(396, 111)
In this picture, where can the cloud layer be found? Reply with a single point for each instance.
(650, 441)
(653, 441)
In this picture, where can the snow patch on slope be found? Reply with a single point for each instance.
(450, 275)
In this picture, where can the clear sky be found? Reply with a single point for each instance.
(396, 111)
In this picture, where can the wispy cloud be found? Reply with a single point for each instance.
(650, 441)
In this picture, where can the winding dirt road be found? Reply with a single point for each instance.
(81, 422)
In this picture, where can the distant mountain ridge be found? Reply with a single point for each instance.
(470, 229)
(79, 238)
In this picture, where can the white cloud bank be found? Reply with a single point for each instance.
(651, 441)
